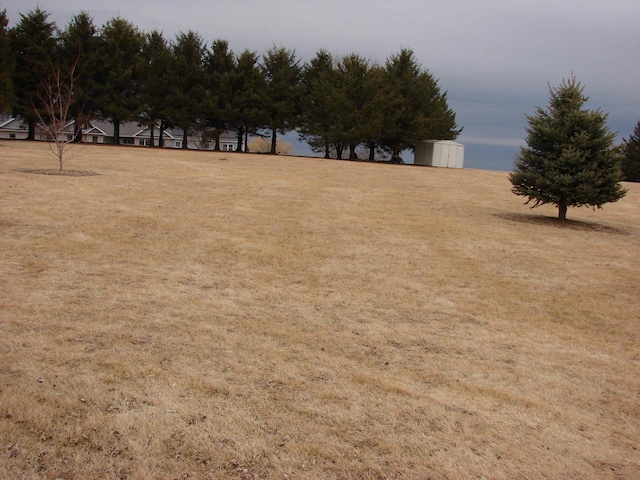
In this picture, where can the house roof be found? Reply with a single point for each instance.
(105, 127)
(14, 124)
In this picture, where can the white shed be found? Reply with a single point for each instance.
(439, 153)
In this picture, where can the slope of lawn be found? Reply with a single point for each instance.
(218, 315)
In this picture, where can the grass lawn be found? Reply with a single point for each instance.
(218, 315)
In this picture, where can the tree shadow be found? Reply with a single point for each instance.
(67, 173)
(557, 223)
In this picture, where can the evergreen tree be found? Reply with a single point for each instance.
(375, 109)
(245, 92)
(319, 114)
(6, 67)
(219, 65)
(156, 84)
(569, 160)
(119, 62)
(188, 106)
(354, 73)
(282, 72)
(631, 156)
(79, 45)
(35, 52)
(417, 110)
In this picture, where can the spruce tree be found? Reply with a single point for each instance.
(416, 109)
(219, 66)
(282, 72)
(34, 48)
(569, 160)
(631, 156)
(6, 66)
(79, 45)
(189, 76)
(156, 84)
(244, 88)
(119, 59)
(319, 118)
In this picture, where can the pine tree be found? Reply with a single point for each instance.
(219, 66)
(319, 119)
(416, 108)
(6, 66)
(188, 110)
(354, 72)
(245, 96)
(119, 61)
(156, 84)
(79, 45)
(569, 160)
(35, 50)
(281, 69)
(631, 156)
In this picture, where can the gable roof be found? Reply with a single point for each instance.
(14, 124)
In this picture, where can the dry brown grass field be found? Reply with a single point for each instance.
(216, 315)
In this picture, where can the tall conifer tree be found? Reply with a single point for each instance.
(156, 83)
(319, 119)
(631, 156)
(245, 87)
(6, 66)
(79, 45)
(119, 63)
(416, 109)
(188, 110)
(35, 52)
(282, 72)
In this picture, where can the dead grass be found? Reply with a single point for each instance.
(179, 316)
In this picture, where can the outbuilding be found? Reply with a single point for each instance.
(439, 153)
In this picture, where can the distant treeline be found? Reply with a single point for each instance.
(122, 74)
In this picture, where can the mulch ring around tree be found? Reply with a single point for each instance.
(55, 171)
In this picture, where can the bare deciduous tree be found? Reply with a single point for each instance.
(56, 97)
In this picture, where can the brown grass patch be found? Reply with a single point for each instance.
(269, 317)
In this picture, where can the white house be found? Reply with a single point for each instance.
(439, 153)
(131, 133)
(14, 129)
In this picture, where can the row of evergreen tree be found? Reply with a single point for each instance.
(123, 74)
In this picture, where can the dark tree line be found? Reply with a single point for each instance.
(124, 74)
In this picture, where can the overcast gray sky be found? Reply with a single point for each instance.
(493, 57)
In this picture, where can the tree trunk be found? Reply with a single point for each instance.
(246, 139)
(395, 158)
(32, 130)
(240, 138)
(161, 138)
(152, 137)
(562, 211)
(326, 150)
(372, 151)
(352, 152)
(116, 131)
(273, 141)
(185, 139)
(77, 130)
